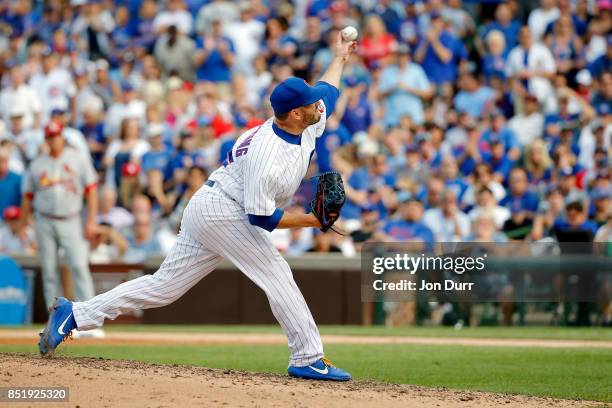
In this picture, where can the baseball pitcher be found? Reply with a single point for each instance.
(231, 217)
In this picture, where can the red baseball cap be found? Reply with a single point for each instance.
(11, 213)
(253, 122)
(130, 169)
(220, 126)
(53, 128)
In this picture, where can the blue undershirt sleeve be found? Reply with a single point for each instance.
(330, 98)
(267, 222)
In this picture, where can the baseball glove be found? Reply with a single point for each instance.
(328, 199)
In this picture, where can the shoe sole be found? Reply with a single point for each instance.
(319, 379)
(44, 336)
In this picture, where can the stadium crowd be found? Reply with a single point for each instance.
(483, 121)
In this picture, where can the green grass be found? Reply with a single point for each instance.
(579, 373)
(536, 332)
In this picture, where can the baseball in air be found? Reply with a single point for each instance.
(349, 33)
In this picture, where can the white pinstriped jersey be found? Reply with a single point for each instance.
(263, 171)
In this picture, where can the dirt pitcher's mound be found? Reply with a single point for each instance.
(112, 383)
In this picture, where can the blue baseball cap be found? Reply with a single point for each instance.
(293, 93)
(126, 86)
(58, 111)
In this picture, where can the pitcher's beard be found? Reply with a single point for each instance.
(312, 119)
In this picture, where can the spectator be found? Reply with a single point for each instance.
(578, 14)
(501, 133)
(257, 84)
(440, 53)
(13, 239)
(409, 29)
(94, 25)
(531, 66)
(93, 131)
(566, 47)
(567, 185)
(409, 225)
(129, 106)
(27, 141)
(353, 106)
(494, 61)
(157, 157)
(484, 230)
(376, 43)
(145, 30)
(505, 24)
(538, 164)
(324, 242)
(308, 47)
(482, 178)
(130, 185)
(519, 226)
(368, 228)
(448, 223)
(405, 87)
(129, 147)
(85, 95)
(474, 98)
(246, 34)
(486, 206)
(142, 241)
(604, 234)
(431, 196)
(54, 84)
(602, 100)
(196, 176)
(550, 212)
(214, 58)
(603, 63)
(414, 172)
(174, 53)
(575, 221)
(110, 213)
(355, 190)
(102, 85)
(461, 22)
(452, 180)
(602, 211)
(541, 17)
(187, 155)
(225, 10)
(120, 36)
(334, 136)
(279, 47)
(107, 245)
(19, 93)
(174, 16)
(10, 183)
(519, 193)
(528, 126)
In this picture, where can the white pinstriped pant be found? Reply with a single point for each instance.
(215, 227)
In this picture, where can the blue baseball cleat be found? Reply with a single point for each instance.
(61, 323)
(322, 369)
